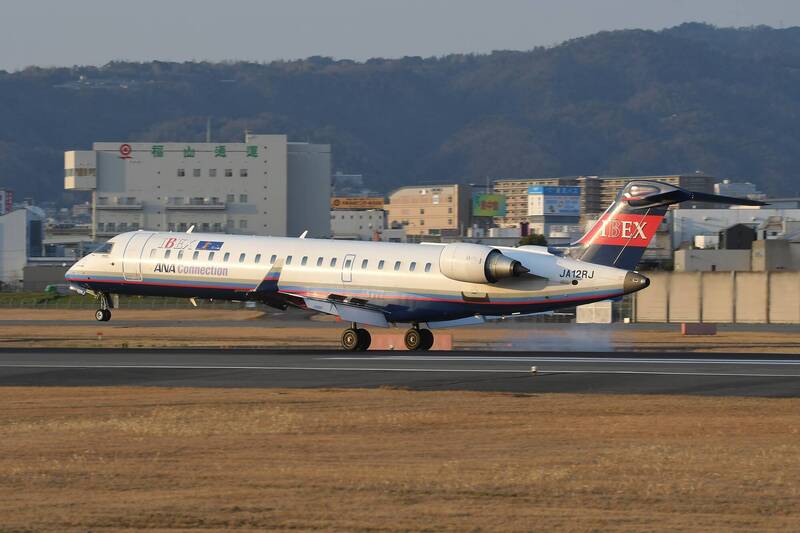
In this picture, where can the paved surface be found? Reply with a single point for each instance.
(583, 372)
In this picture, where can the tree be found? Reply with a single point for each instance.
(533, 239)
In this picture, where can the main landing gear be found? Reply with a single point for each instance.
(355, 339)
(104, 313)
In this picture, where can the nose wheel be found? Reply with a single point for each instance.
(104, 313)
(356, 339)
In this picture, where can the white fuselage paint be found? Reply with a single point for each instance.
(382, 274)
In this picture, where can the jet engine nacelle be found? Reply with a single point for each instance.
(477, 263)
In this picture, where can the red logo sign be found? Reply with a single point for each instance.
(125, 151)
(630, 230)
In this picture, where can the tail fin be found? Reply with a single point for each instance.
(621, 235)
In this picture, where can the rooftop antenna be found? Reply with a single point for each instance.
(208, 130)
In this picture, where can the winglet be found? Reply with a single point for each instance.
(303, 235)
(191, 229)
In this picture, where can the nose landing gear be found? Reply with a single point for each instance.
(104, 313)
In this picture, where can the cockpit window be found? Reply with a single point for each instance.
(105, 248)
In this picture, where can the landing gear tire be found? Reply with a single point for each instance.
(427, 339)
(413, 339)
(102, 315)
(350, 339)
(364, 339)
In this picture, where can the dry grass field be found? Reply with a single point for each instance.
(323, 331)
(128, 458)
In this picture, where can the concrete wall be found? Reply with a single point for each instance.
(711, 260)
(720, 297)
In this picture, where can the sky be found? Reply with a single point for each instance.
(93, 32)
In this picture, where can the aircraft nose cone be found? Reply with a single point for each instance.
(634, 282)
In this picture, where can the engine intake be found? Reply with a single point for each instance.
(476, 263)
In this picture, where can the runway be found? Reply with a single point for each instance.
(575, 372)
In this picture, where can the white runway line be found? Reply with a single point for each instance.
(378, 369)
(566, 360)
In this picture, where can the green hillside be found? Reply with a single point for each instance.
(724, 101)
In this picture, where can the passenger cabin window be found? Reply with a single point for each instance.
(167, 254)
(319, 261)
(210, 256)
(195, 256)
(304, 260)
(180, 254)
(380, 264)
(413, 266)
(364, 264)
(258, 258)
(272, 259)
(241, 258)
(333, 262)
(396, 266)
(427, 267)
(153, 252)
(347, 263)
(226, 257)
(288, 259)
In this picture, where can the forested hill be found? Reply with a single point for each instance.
(693, 97)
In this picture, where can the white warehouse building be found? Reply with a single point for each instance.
(263, 186)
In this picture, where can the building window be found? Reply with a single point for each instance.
(111, 226)
(413, 266)
(449, 210)
(243, 173)
(206, 226)
(243, 198)
(228, 172)
(427, 267)
(333, 262)
(196, 172)
(288, 259)
(421, 211)
(181, 172)
(100, 226)
(230, 198)
(171, 226)
(182, 226)
(396, 266)
(421, 222)
(226, 257)
(230, 223)
(242, 224)
(319, 261)
(167, 253)
(258, 258)
(195, 256)
(304, 260)
(364, 264)
(217, 226)
(273, 259)
(212, 172)
(241, 258)
(380, 264)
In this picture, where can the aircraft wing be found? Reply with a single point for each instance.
(348, 309)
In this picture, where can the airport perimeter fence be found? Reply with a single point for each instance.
(720, 298)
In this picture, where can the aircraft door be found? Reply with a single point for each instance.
(132, 256)
(347, 268)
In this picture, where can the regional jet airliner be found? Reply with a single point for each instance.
(378, 284)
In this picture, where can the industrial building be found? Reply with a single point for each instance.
(357, 224)
(264, 186)
(431, 209)
(21, 235)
